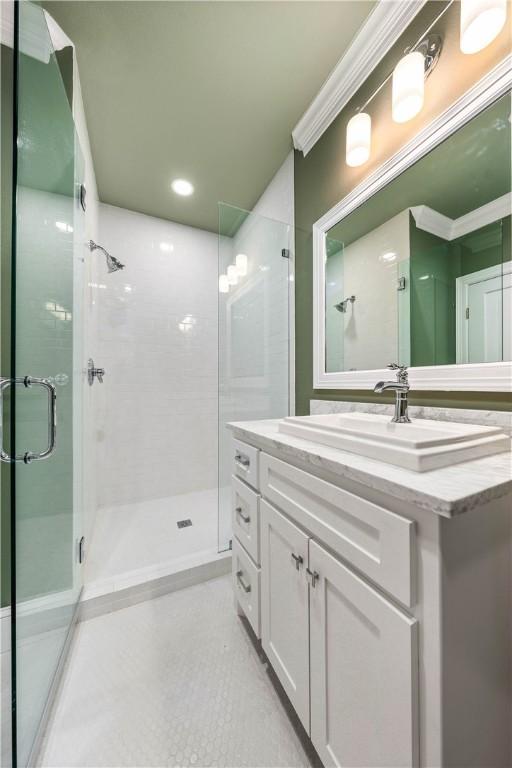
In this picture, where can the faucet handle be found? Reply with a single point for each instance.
(402, 375)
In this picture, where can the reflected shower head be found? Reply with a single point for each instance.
(342, 306)
(112, 263)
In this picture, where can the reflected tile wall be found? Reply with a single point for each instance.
(157, 340)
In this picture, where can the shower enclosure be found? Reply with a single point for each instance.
(190, 328)
(42, 394)
(254, 331)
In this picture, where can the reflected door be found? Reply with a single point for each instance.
(46, 384)
(483, 322)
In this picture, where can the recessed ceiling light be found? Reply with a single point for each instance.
(182, 187)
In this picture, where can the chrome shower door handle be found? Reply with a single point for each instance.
(28, 381)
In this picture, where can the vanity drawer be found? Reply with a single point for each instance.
(246, 583)
(246, 517)
(245, 463)
(377, 542)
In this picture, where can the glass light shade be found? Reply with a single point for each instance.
(480, 22)
(241, 264)
(359, 137)
(232, 274)
(408, 87)
(223, 284)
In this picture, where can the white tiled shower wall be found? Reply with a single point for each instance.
(157, 339)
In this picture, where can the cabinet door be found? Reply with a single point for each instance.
(285, 605)
(363, 671)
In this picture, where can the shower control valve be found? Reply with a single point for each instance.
(94, 373)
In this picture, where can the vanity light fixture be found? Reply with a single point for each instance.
(182, 187)
(480, 22)
(359, 136)
(241, 264)
(223, 284)
(408, 87)
(232, 274)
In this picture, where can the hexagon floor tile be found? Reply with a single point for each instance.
(174, 681)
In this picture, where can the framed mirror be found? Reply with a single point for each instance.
(415, 265)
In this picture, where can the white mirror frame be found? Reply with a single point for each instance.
(487, 377)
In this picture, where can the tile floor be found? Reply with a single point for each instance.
(174, 681)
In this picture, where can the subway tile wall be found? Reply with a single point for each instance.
(156, 426)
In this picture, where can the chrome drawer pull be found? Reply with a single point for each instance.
(297, 560)
(242, 460)
(240, 513)
(246, 587)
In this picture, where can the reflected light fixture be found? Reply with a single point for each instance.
(388, 256)
(359, 136)
(241, 264)
(232, 274)
(223, 284)
(408, 87)
(182, 187)
(480, 22)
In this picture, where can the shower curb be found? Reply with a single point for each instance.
(138, 593)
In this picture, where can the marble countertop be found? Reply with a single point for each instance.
(447, 492)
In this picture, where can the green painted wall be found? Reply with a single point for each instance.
(322, 179)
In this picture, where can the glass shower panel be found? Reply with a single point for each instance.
(46, 347)
(254, 275)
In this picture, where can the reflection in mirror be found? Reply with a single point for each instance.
(421, 273)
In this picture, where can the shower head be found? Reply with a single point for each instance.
(342, 306)
(113, 264)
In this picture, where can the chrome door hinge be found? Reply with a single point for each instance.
(401, 284)
(285, 253)
(467, 313)
(312, 577)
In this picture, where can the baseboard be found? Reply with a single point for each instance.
(138, 593)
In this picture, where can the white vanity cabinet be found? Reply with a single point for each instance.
(364, 670)
(387, 623)
(285, 605)
(345, 656)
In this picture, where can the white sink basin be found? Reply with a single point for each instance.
(422, 445)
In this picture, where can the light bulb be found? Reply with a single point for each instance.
(359, 136)
(223, 284)
(182, 187)
(480, 22)
(408, 87)
(232, 274)
(241, 264)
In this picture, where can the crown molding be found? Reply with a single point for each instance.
(438, 224)
(379, 32)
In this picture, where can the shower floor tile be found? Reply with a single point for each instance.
(143, 539)
(174, 681)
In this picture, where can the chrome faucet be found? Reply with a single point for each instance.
(401, 389)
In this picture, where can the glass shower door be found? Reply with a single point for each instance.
(254, 335)
(46, 365)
